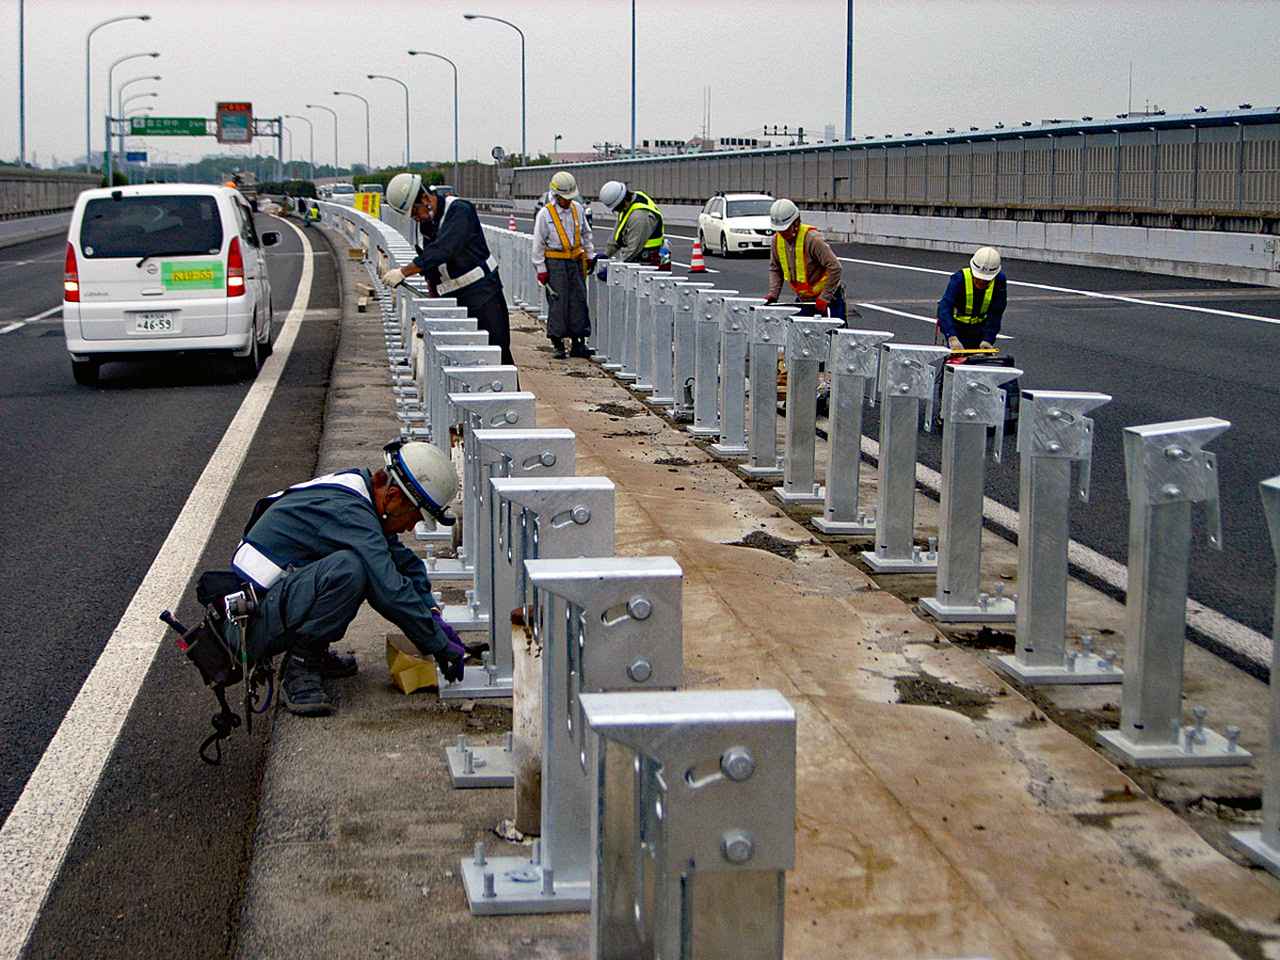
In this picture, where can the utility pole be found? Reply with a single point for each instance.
(1129, 109)
(633, 78)
(22, 90)
(848, 73)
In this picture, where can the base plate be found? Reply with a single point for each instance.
(449, 569)
(475, 685)
(626, 377)
(997, 610)
(491, 768)
(753, 471)
(1251, 844)
(1086, 671)
(844, 528)
(518, 889)
(1212, 753)
(927, 564)
(424, 535)
(460, 616)
(817, 495)
(611, 367)
(662, 401)
(728, 451)
(696, 431)
(639, 387)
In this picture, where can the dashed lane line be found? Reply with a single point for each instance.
(35, 838)
(19, 324)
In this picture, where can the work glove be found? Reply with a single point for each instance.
(954, 343)
(603, 271)
(822, 306)
(393, 278)
(985, 345)
(543, 277)
(452, 658)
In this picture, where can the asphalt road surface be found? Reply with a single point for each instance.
(94, 480)
(1159, 363)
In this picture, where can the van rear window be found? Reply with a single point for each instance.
(151, 226)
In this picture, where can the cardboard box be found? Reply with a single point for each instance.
(409, 669)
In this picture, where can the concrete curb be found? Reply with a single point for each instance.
(14, 232)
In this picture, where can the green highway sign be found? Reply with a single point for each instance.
(168, 127)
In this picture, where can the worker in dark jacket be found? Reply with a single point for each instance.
(454, 258)
(970, 312)
(316, 551)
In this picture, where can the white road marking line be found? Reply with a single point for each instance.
(1140, 301)
(18, 324)
(913, 316)
(1245, 641)
(686, 266)
(42, 824)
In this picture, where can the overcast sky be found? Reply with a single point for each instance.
(918, 64)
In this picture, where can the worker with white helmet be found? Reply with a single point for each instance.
(639, 234)
(454, 256)
(316, 551)
(970, 311)
(563, 252)
(801, 257)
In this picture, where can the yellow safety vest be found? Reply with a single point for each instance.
(642, 202)
(796, 277)
(969, 316)
(567, 251)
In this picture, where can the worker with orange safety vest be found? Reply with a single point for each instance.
(563, 253)
(801, 257)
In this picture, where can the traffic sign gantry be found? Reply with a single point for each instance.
(168, 126)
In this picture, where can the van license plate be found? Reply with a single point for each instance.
(160, 321)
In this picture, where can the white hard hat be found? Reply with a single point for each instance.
(424, 474)
(985, 263)
(611, 194)
(402, 192)
(783, 214)
(563, 185)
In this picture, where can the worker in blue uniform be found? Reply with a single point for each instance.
(454, 258)
(970, 312)
(318, 550)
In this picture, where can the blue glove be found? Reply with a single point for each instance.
(602, 272)
(451, 659)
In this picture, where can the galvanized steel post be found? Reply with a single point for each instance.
(663, 307)
(972, 402)
(854, 364)
(706, 361)
(735, 338)
(684, 345)
(908, 373)
(644, 331)
(1053, 431)
(1167, 471)
(768, 336)
(807, 347)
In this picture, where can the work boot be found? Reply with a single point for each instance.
(301, 689)
(558, 343)
(335, 666)
(579, 349)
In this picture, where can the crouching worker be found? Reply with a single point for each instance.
(318, 550)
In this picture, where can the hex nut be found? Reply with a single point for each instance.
(737, 846)
(737, 764)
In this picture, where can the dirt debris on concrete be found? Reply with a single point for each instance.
(674, 462)
(759, 540)
(923, 689)
(617, 410)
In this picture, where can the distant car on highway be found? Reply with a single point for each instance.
(165, 269)
(343, 193)
(735, 223)
(370, 188)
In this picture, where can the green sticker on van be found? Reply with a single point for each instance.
(193, 275)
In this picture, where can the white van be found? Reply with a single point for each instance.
(165, 268)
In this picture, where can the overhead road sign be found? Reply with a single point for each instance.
(168, 127)
(135, 156)
(235, 122)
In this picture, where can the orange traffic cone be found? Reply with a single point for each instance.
(695, 259)
(511, 222)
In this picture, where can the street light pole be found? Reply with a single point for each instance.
(848, 73)
(383, 76)
(120, 101)
(368, 155)
(428, 53)
(321, 106)
(111, 71)
(88, 93)
(312, 126)
(524, 153)
(633, 78)
(22, 88)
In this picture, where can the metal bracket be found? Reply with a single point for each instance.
(708, 305)
(684, 347)
(692, 822)
(735, 338)
(644, 330)
(854, 365)
(631, 302)
(907, 375)
(1053, 431)
(453, 354)
(1167, 471)
(604, 624)
(808, 344)
(662, 306)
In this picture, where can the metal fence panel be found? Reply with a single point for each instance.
(1261, 172)
(1219, 167)
(1068, 170)
(1176, 169)
(1009, 171)
(984, 172)
(1137, 168)
(1038, 160)
(1100, 169)
(915, 174)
